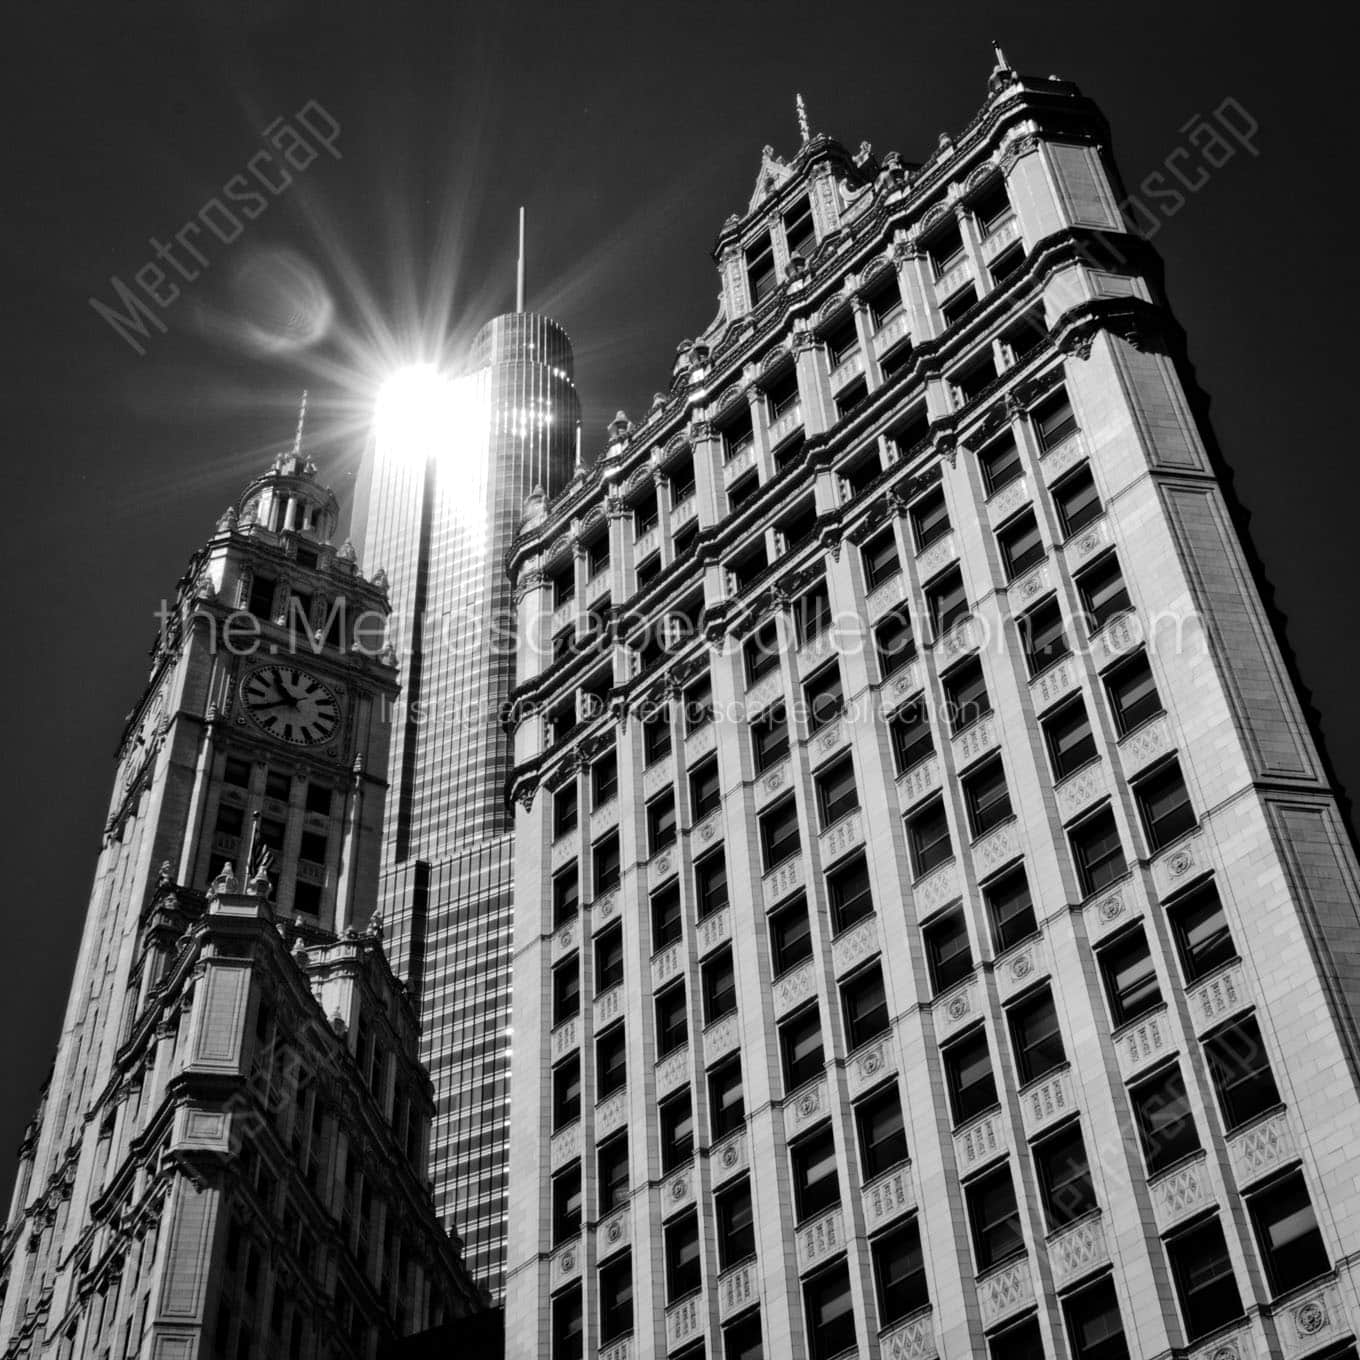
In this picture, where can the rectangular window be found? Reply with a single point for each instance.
(880, 559)
(881, 1132)
(790, 934)
(1287, 1233)
(991, 206)
(1203, 1275)
(1036, 1037)
(836, 792)
(899, 1273)
(884, 300)
(566, 989)
(677, 1131)
(994, 1219)
(612, 1162)
(812, 614)
(564, 810)
(1164, 805)
(761, 652)
(741, 491)
(959, 305)
(823, 700)
(667, 921)
(566, 1092)
(910, 432)
(816, 1182)
(261, 600)
(726, 1103)
(988, 800)
(760, 275)
(646, 515)
(800, 235)
(911, 736)
(928, 834)
(597, 556)
(736, 1225)
(563, 583)
(611, 1062)
(236, 772)
(894, 641)
(1095, 1330)
(781, 392)
(672, 1019)
(710, 882)
(971, 381)
(566, 895)
(968, 1075)
(608, 867)
(800, 1045)
(1043, 637)
(1011, 909)
(1021, 1341)
(608, 959)
(705, 792)
(1165, 1123)
(698, 703)
(849, 894)
(683, 1271)
(719, 981)
(1132, 693)
(319, 798)
(1000, 463)
(946, 602)
(851, 397)
(568, 1325)
(1070, 741)
(680, 475)
(1103, 593)
(1097, 852)
(1064, 1177)
(966, 697)
(929, 519)
(1203, 939)
(1006, 263)
(945, 247)
(841, 338)
(1025, 336)
(779, 838)
(656, 738)
(661, 822)
(604, 780)
(1076, 500)
(738, 437)
(742, 1339)
(830, 1312)
(566, 1203)
(1021, 545)
(616, 1299)
(1241, 1072)
(1054, 420)
(864, 1005)
(1130, 977)
(948, 954)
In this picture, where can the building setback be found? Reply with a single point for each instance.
(936, 932)
(230, 1156)
(443, 509)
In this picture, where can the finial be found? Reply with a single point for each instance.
(578, 444)
(302, 416)
(804, 131)
(1002, 63)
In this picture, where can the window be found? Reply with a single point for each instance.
(1203, 1274)
(994, 1218)
(858, 474)
(1010, 908)
(1203, 939)
(1020, 544)
(865, 1006)
(849, 893)
(736, 1225)
(800, 1044)
(880, 559)
(1132, 693)
(946, 602)
(800, 235)
(1130, 977)
(611, 1062)
(971, 381)
(698, 704)
(1241, 1072)
(565, 895)
(563, 584)
(680, 475)
(261, 599)
(912, 741)
(779, 833)
(1023, 1341)
(911, 431)
(616, 1299)
(1064, 1177)
(705, 793)
(605, 857)
(989, 802)
(677, 1131)
(661, 822)
(236, 772)
(613, 1166)
(1006, 263)
(1094, 1328)
(566, 1203)
(1000, 463)
(812, 614)
(1036, 1037)
(1042, 636)
(881, 1132)
(656, 738)
(1164, 805)
(604, 780)
(646, 515)
(760, 273)
(1053, 420)
(738, 437)
(966, 697)
(790, 934)
(823, 700)
(742, 1340)
(830, 1312)
(672, 1019)
(710, 882)
(991, 206)
(683, 1272)
(841, 339)
(568, 1325)
(726, 1102)
(277, 785)
(1020, 340)
(667, 922)
(1096, 849)
(968, 1075)
(1068, 736)
(959, 303)
(781, 393)
(742, 490)
(899, 1273)
(894, 641)
(816, 1183)
(566, 989)
(1165, 1124)
(1287, 1234)
(1076, 500)
(597, 556)
(836, 793)
(1103, 593)
(566, 1092)
(719, 981)
(319, 799)
(564, 809)
(928, 834)
(929, 519)
(945, 247)
(762, 651)
(948, 955)
(608, 959)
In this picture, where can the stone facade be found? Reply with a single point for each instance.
(1016, 917)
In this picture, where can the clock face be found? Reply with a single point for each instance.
(290, 704)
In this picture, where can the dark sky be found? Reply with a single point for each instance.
(630, 131)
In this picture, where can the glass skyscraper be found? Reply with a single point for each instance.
(448, 491)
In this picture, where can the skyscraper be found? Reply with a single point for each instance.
(936, 931)
(230, 1155)
(452, 468)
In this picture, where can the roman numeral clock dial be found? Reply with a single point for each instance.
(290, 704)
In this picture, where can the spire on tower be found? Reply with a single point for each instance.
(1002, 63)
(519, 273)
(804, 130)
(302, 416)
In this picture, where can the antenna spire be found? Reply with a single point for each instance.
(302, 416)
(578, 444)
(804, 131)
(519, 274)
